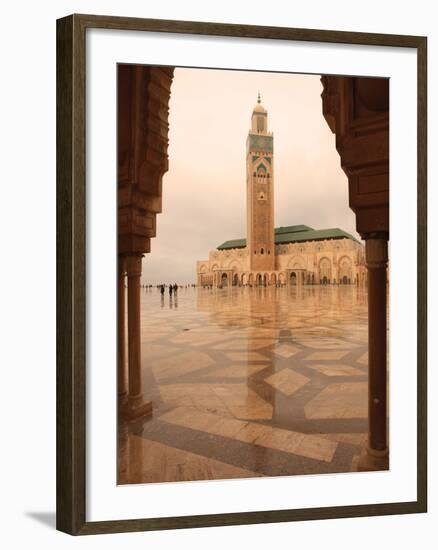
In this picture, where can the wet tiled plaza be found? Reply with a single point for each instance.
(249, 382)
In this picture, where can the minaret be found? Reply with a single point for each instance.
(260, 192)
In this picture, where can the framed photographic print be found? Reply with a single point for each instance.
(241, 274)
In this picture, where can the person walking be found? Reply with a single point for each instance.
(170, 290)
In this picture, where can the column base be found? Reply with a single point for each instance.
(373, 461)
(136, 408)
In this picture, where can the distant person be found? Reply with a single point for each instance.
(162, 290)
(175, 288)
(170, 290)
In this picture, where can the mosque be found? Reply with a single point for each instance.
(292, 255)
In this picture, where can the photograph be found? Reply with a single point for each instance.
(218, 337)
(244, 258)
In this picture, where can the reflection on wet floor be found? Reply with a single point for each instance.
(249, 382)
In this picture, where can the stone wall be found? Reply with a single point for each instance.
(329, 261)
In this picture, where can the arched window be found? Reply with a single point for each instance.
(262, 251)
(261, 173)
(269, 251)
(255, 251)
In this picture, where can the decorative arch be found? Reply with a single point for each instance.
(296, 262)
(273, 279)
(261, 173)
(233, 264)
(261, 167)
(345, 270)
(325, 270)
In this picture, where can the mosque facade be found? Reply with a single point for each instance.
(292, 255)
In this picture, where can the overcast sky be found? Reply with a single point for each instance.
(204, 190)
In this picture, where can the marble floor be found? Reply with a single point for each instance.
(249, 382)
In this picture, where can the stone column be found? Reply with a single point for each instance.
(121, 340)
(376, 249)
(136, 404)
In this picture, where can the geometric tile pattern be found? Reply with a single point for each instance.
(287, 381)
(335, 370)
(258, 434)
(285, 350)
(249, 382)
(344, 400)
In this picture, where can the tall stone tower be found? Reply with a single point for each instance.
(260, 192)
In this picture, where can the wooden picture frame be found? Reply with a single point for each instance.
(71, 274)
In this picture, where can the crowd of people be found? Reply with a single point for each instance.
(171, 288)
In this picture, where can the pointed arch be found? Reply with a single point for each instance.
(345, 270)
(297, 262)
(325, 270)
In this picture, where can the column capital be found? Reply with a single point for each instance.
(376, 252)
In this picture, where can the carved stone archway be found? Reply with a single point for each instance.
(345, 270)
(325, 270)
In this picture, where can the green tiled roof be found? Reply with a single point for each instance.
(295, 233)
(236, 243)
(292, 229)
(313, 235)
